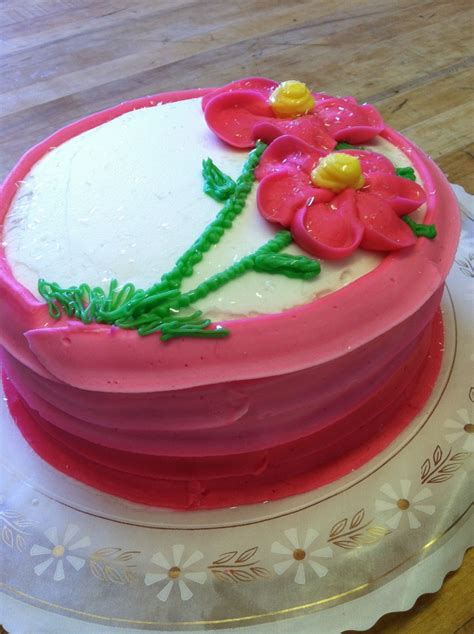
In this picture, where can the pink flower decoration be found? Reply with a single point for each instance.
(348, 121)
(239, 114)
(329, 225)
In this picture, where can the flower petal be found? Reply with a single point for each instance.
(81, 543)
(177, 550)
(281, 194)
(346, 120)
(76, 562)
(232, 116)
(311, 535)
(372, 161)
(160, 560)
(403, 195)
(184, 591)
(290, 153)
(280, 549)
(300, 576)
(383, 229)
(383, 505)
(71, 531)
(292, 536)
(52, 534)
(192, 559)
(394, 521)
(36, 549)
(413, 521)
(259, 84)
(59, 572)
(329, 230)
(154, 577)
(40, 568)
(165, 592)
(282, 566)
(389, 491)
(198, 577)
(308, 128)
(318, 568)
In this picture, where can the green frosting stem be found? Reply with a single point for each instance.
(234, 206)
(419, 229)
(281, 240)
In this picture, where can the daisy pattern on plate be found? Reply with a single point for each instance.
(175, 573)
(59, 551)
(402, 506)
(298, 557)
(462, 429)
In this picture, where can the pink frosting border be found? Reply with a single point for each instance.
(124, 362)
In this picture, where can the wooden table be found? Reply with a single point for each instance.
(62, 59)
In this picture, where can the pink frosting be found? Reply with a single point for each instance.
(281, 395)
(237, 472)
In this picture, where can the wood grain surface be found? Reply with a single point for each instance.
(62, 59)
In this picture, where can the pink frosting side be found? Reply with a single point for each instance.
(235, 474)
(246, 415)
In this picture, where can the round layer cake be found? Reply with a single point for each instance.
(180, 334)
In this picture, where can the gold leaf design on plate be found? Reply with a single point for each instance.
(357, 519)
(443, 467)
(238, 567)
(14, 529)
(358, 534)
(338, 527)
(110, 565)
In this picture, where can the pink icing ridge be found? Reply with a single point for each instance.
(62, 350)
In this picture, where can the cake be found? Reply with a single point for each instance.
(222, 296)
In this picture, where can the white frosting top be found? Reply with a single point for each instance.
(125, 200)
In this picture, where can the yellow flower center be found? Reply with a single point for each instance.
(174, 572)
(403, 504)
(291, 99)
(469, 428)
(337, 171)
(58, 551)
(299, 554)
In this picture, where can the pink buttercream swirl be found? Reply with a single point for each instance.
(328, 224)
(239, 113)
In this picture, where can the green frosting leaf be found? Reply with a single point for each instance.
(295, 266)
(406, 172)
(419, 229)
(217, 185)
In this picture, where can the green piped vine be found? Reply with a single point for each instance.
(163, 307)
